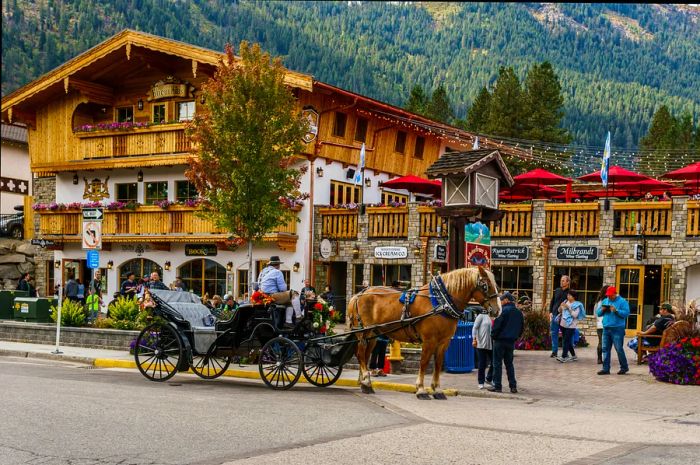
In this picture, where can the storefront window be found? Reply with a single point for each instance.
(185, 111)
(156, 192)
(357, 277)
(389, 197)
(514, 278)
(391, 275)
(159, 113)
(127, 192)
(586, 280)
(242, 288)
(203, 276)
(185, 190)
(140, 267)
(125, 114)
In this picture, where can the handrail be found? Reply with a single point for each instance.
(430, 222)
(387, 222)
(516, 222)
(653, 218)
(693, 219)
(338, 223)
(572, 219)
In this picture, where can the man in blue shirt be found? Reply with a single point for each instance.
(614, 310)
(271, 281)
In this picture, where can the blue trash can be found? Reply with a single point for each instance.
(459, 357)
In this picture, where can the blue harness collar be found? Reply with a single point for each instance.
(441, 300)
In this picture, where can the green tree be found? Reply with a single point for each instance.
(245, 141)
(662, 131)
(506, 111)
(439, 107)
(478, 114)
(685, 132)
(417, 101)
(544, 105)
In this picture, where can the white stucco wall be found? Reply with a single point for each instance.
(14, 163)
(692, 291)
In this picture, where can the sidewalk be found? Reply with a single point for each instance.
(540, 378)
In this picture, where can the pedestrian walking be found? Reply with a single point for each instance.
(506, 329)
(71, 289)
(599, 322)
(81, 291)
(557, 299)
(614, 311)
(571, 312)
(377, 359)
(96, 284)
(481, 339)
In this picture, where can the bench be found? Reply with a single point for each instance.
(673, 333)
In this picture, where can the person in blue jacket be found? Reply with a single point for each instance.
(614, 310)
(506, 329)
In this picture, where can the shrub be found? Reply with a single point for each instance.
(125, 313)
(72, 313)
(536, 332)
(677, 362)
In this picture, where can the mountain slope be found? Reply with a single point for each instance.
(617, 63)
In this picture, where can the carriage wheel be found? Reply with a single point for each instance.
(158, 351)
(280, 363)
(316, 370)
(210, 366)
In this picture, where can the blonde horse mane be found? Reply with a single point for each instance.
(460, 279)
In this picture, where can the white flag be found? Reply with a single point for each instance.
(360, 167)
(476, 144)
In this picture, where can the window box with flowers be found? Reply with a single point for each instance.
(115, 128)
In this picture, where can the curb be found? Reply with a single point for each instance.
(47, 355)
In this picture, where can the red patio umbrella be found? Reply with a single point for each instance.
(602, 193)
(415, 184)
(615, 174)
(645, 185)
(531, 191)
(691, 171)
(539, 176)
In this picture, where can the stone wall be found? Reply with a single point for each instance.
(44, 192)
(38, 333)
(16, 258)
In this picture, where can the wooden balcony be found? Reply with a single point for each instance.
(155, 140)
(517, 221)
(430, 222)
(152, 224)
(338, 223)
(654, 218)
(693, 227)
(572, 219)
(387, 222)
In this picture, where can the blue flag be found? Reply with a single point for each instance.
(476, 143)
(360, 167)
(605, 165)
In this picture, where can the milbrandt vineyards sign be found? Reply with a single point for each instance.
(575, 252)
(515, 252)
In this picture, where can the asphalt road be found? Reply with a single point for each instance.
(61, 413)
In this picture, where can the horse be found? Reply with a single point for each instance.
(429, 315)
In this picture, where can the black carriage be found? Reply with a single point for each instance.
(184, 335)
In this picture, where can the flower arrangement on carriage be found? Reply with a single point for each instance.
(260, 298)
(324, 317)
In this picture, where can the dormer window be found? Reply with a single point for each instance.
(341, 120)
(125, 114)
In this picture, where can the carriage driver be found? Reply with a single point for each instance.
(271, 281)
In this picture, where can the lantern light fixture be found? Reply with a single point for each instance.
(166, 266)
(368, 182)
(139, 176)
(296, 267)
(539, 251)
(140, 104)
(355, 251)
(110, 264)
(57, 264)
(609, 252)
(75, 178)
(319, 172)
(229, 266)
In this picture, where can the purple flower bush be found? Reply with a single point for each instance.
(677, 362)
(113, 126)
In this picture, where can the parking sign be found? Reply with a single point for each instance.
(93, 259)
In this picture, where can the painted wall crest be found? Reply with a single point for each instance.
(96, 190)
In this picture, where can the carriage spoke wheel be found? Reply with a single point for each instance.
(316, 370)
(280, 363)
(158, 351)
(210, 366)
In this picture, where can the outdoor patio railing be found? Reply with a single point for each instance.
(693, 227)
(430, 222)
(516, 222)
(653, 218)
(338, 223)
(572, 219)
(387, 222)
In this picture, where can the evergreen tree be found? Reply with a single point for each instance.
(246, 139)
(439, 107)
(662, 131)
(418, 100)
(506, 111)
(685, 132)
(544, 105)
(479, 111)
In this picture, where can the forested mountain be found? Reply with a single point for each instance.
(617, 63)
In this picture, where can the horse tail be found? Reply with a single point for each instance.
(353, 312)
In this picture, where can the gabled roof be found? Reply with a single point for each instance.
(464, 163)
(128, 38)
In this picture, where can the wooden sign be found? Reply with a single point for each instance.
(477, 255)
(200, 250)
(170, 87)
(577, 252)
(510, 252)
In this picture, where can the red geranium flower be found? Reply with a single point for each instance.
(318, 306)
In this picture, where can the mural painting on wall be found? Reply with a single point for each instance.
(311, 116)
(478, 245)
(96, 190)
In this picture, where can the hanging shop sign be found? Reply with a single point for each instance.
(200, 250)
(325, 248)
(440, 252)
(639, 252)
(310, 115)
(478, 255)
(170, 87)
(478, 233)
(576, 252)
(390, 252)
(510, 252)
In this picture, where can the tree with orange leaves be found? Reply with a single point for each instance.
(244, 142)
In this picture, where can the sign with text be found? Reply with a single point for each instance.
(390, 252)
(92, 235)
(96, 214)
(93, 259)
(200, 250)
(43, 243)
(639, 252)
(440, 252)
(577, 252)
(510, 252)
(477, 255)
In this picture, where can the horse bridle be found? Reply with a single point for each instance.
(483, 286)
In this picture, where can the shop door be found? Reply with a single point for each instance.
(630, 285)
(338, 281)
(665, 283)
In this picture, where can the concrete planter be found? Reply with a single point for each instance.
(39, 333)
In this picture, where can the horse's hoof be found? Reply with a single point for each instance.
(439, 396)
(423, 396)
(367, 389)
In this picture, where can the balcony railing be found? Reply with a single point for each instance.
(516, 222)
(387, 222)
(338, 223)
(693, 228)
(572, 219)
(152, 223)
(653, 218)
(154, 140)
(432, 225)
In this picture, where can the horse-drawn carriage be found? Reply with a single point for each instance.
(184, 335)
